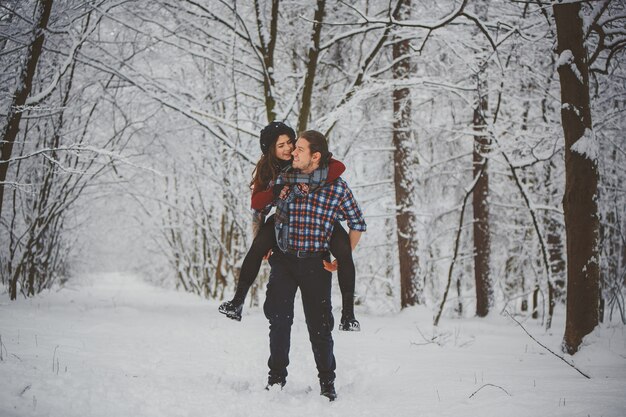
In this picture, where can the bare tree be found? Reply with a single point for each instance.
(581, 182)
(56, 154)
(606, 39)
(267, 46)
(404, 161)
(22, 90)
(311, 66)
(480, 205)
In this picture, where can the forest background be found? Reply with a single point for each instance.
(483, 140)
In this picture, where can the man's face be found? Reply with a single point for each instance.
(302, 158)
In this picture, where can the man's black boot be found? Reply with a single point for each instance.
(327, 389)
(232, 309)
(275, 381)
(348, 323)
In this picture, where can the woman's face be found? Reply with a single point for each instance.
(284, 147)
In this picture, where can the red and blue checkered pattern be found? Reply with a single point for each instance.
(311, 218)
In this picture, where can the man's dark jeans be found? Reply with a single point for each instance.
(287, 275)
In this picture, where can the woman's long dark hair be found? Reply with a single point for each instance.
(266, 169)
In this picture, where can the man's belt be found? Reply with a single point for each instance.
(304, 254)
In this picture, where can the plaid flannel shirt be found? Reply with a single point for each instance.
(312, 218)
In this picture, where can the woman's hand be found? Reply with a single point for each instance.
(330, 266)
(267, 255)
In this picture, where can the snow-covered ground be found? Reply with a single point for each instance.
(115, 346)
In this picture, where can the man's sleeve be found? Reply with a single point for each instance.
(350, 211)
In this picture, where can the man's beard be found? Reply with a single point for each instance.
(307, 167)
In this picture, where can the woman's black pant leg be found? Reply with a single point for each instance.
(340, 248)
(263, 242)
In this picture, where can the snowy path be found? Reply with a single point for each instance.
(114, 346)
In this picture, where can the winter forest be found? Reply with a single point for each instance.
(484, 141)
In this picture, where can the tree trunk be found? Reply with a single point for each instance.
(267, 51)
(554, 241)
(404, 161)
(480, 196)
(22, 91)
(311, 68)
(480, 204)
(581, 179)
